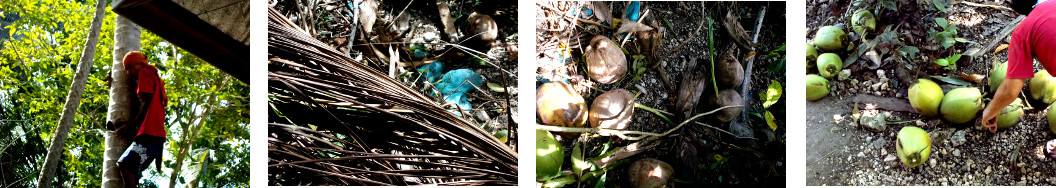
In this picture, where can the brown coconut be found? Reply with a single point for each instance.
(606, 63)
(610, 110)
(483, 25)
(728, 71)
(727, 97)
(649, 173)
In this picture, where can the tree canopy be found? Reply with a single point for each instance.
(38, 56)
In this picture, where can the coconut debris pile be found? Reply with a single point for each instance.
(463, 53)
(895, 89)
(616, 79)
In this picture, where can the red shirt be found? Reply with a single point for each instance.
(149, 82)
(1034, 38)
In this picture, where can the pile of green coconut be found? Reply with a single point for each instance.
(963, 105)
(957, 106)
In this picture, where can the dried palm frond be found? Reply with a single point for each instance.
(335, 121)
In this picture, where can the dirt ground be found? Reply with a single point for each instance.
(841, 153)
(694, 150)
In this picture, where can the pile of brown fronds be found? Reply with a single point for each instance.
(335, 121)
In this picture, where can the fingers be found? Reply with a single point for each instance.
(990, 124)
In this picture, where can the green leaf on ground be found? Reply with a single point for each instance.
(578, 164)
(496, 87)
(770, 121)
(773, 93)
(953, 80)
(939, 5)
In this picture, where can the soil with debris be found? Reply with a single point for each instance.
(701, 155)
(401, 25)
(842, 152)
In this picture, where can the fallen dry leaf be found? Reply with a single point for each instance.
(977, 78)
(602, 11)
(633, 26)
(736, 31)
(999, 48)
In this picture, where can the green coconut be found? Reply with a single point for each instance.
(812, 56)
(830, 38)
(913, 146)
(863, 21)
(925, 97)
(1051, 117)
(997, 76)
(1011, 115)
(549, 155)
(817, 87)
(961, 105)
(1043, 87)
(829, 65)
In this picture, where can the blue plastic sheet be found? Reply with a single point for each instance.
(459, 81)
(454, 84)
(431, 71)
(632, 11)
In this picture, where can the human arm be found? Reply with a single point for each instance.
(144, 104)
(1005, 95)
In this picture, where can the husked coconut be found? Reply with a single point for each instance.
(612, 110)
(649, 173)
(606, 63)
(481, 25)
(727, 97)
(728, 71)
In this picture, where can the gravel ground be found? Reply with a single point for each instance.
(840, 152)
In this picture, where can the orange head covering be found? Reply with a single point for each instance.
(134, 57)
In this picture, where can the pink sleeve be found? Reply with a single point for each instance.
(1020, 61)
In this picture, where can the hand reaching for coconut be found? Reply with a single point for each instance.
(1005, 95)
(990, 119)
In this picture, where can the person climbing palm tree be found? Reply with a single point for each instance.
(147, 144)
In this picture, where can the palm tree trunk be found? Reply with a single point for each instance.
(73, 99)
(126, 39)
